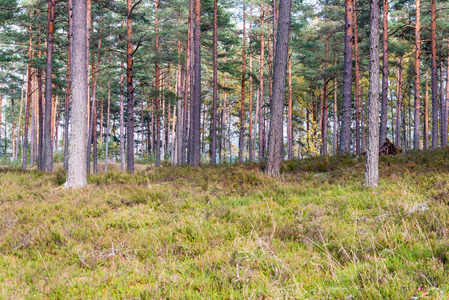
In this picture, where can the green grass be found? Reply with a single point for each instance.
(221, 232)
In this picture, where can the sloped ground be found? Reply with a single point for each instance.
(230, 232)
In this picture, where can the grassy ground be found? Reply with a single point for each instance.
(230, 232)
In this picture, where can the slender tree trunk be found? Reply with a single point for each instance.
(158, 87)
(48, 147)
(434, 75)
(289, 113)
(215, 86)
(383, 118)
(130, 89)
(443, 108)
(358, 102)
(122, 123)
(106, 154)
(274, 156)
(77, 172)
(67, 93)
(179, 119)
(189, 137)
(426, 113)
(399, 102)
(345, 137)
(242, 90)
(335, 107)
(261, 77)
(40, 150)
(325, 87)
(251, 96)
(372, 154)
(417, 74)
(93, 116)
(28, 101)
(224, 121)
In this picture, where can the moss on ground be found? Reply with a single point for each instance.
(229, 231)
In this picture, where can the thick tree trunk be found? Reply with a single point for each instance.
(47, 146)
(383, 118)
(261, 77)
(399, 102)
(274, 156)
(345, 136)
(417, 74)
(77, 172)
(195, 118)
(242, 90)
(372, 153)
(434, 75)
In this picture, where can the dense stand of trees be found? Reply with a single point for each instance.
(213, 81)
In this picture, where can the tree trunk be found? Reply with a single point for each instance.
(77, 172)
(383, 118)
(434, 75)
(274, 156)
(443, 108)
(399, 102)
(372, 153)
(130, 89)
(358, 102)
(335, 133)
(289, 113)
(40, 151)
(122, 123)
(158, 87)
(195, 118)
(345, 136)
(67, 90)
(106, 154)
(251, 96)
(426, 113)
(47, 146)
(242, 90)
(261, 77)
(215, 87)
(28, 101)
(417, 74)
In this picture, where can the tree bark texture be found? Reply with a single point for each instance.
(383, 118)
(47, 146)
(77, 172)
(345, 136)
(274, 155)
(372, 153)
(417, 75)
(434, 75)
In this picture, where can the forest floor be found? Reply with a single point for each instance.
(228, 231)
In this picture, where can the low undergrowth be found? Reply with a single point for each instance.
(230, 232)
